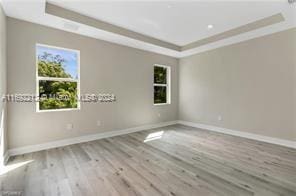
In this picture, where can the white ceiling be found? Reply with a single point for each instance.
(177, 22)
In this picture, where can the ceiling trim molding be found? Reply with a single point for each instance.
(274, 19)
(56, 16)
(60, 12)
(79, 18)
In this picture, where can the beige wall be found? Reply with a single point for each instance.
(105, 67)
(250, 84)
(3, 73)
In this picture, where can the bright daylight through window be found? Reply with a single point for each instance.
(57, 78)
(161, 84)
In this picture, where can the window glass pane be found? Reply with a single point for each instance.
(57, 95)
(53, 62)
(160, 94)
(160, 75)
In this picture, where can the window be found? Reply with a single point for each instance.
(162, 75)
(57, 82)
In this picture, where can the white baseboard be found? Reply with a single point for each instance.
(272, 140)
(86, 138)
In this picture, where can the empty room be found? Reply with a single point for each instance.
(147, 98)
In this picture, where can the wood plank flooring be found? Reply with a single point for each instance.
(174, 160)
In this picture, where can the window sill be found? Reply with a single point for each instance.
(159, 104)
(58, 110)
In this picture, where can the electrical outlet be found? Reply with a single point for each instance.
(158, 114)
(69, 126)
(219, 118)
(98, 123)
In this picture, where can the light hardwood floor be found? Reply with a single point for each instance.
(178, 161)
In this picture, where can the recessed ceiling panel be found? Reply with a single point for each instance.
(177, 28)
(180, 22)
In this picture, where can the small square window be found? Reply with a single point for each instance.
(160, 94)
(160, 75)
(57, 95)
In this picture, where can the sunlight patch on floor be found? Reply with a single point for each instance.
(154, 136)
(8, 168)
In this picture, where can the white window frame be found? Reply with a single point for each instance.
(167, 85)
(38, 78)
